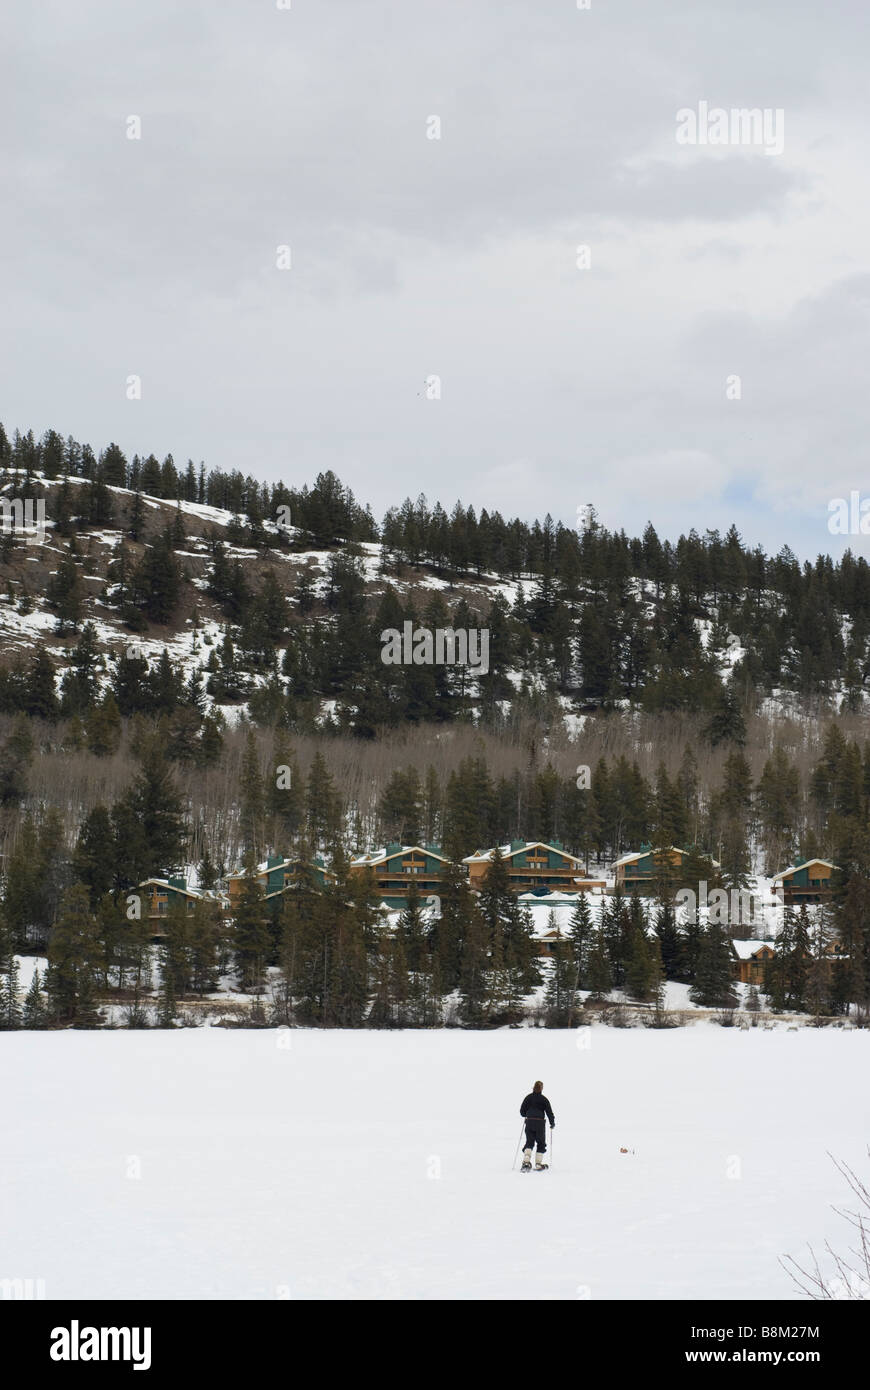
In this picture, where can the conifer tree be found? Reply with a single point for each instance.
(10, 1008)
(284, 792)
(92, 859)
(735, 861)
(399, 984)
(204, 931)
(560, 996)
(727, 724)
(640, 975)
(251, 929)
(167, 1004)
(580, 932)
(410, 929)
(474, 968)
(16, 759)
(154, 804)
(103, 726)
(40, 696)
(599, 972)
(322, 806)
(251, 799)
(34, 1012)
(136, 517)
(799, 961)
(65, 593)
(713, 985)
(206, 873)
(74, 956)
(668, 939)
(509, 929)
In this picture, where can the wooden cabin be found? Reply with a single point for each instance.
(398, 866)
(751, 959)
(161, 894)
(809, 882)
(534, 867)
(640, 871)
(280, 873)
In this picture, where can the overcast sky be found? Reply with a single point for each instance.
(456, 258)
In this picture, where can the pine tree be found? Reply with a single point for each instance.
(640, 974)
(65, 593)
(206, 873)
(74, 955)
(509, 929)
(155, 805)
(735, 861)
(103, 726)
(10, 1008)
(410, 929)
(474, 969)
(34, 1013)
(669, 940)
(40, 696)
(713, 985)
(599, 972)
(580, 932)
(560, 996)
(323, 807)
(251, 798)
(284, 791)
(251, 929)
(167, 1004)
(799, 960)
(16, 759)
(204, 931)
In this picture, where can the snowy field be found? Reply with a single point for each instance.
(209, 1163)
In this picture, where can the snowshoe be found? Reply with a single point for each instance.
(539, 1167)
(525, 1167)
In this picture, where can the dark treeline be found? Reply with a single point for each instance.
(338, 965)
(327, 959)
(785, 811)
(603, 616)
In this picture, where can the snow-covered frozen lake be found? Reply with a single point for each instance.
(209, 1163)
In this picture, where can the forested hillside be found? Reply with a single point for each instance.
(177, 636)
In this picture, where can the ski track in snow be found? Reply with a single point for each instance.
(356, 1165)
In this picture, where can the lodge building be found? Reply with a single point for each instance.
(280, 873)
(395, 868)
(751, 959)
(640, 871)
(162, 894)
(810, 882)
(534, 867)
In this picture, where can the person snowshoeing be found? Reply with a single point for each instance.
(536, 1110)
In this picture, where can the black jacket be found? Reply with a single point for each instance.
(536, 1106)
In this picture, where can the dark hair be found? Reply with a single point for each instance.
(539, 1085)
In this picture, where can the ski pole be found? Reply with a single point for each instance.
(519, 1141)
(552, 1146)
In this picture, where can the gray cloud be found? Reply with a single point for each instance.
(456, 256)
